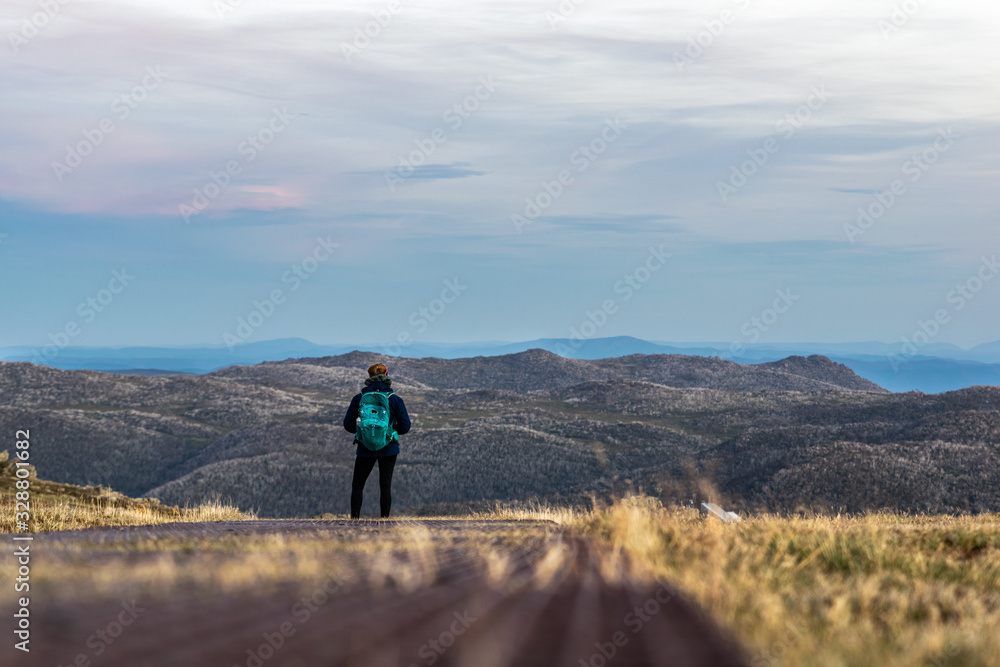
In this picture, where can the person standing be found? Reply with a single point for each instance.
(377, 417)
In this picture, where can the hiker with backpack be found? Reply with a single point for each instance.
(376, 417)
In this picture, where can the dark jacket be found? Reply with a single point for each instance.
(397, 418)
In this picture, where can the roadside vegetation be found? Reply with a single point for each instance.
(874, 589)
(54, 506)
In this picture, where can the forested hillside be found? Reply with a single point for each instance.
(798, 433)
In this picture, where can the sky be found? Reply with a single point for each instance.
(209, 171)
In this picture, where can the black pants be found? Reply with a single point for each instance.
(362, 468)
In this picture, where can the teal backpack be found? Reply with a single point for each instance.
(374, 430)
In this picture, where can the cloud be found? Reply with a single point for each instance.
(557, 85)
(442, 171)
(624, 224)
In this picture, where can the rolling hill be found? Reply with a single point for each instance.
(801, 432)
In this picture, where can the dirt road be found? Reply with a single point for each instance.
(553, 599)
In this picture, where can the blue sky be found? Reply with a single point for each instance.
(249, 138)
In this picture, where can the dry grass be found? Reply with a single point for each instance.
(49, 513)
(54, 506)
(880, 589)
(530, 511)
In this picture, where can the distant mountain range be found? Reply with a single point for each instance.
(937, 368)
(798, 433)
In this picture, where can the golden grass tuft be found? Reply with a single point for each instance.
(529, 511)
